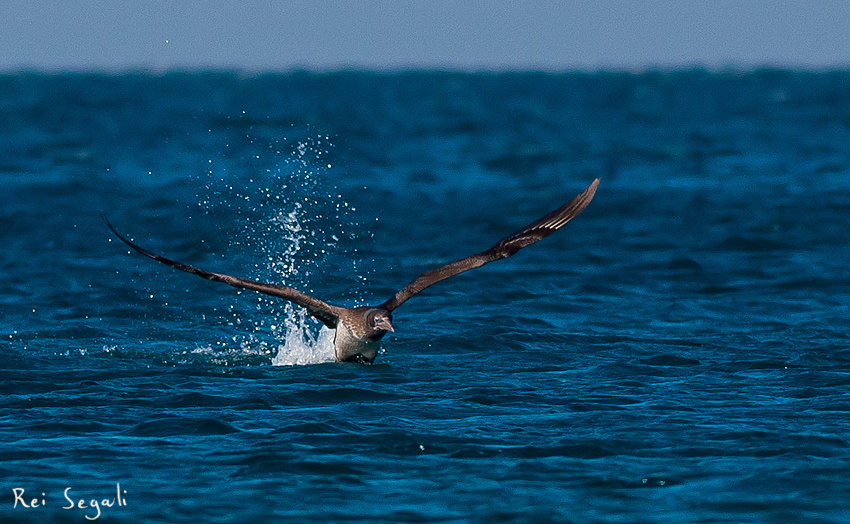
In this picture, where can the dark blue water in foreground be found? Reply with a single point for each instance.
(678, 353)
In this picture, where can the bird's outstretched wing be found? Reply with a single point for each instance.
(326, 313)
(504, 248)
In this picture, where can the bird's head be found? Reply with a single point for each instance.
(380, 321)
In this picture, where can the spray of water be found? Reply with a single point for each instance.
(299, 340)
(300, 343)
(286, 220)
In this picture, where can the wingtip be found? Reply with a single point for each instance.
(588, 194)
(109, 225)
(121, 237)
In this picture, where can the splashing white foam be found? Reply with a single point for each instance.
(285, 214)
(301, 343)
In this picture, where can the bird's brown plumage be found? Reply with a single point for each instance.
(502, 249)
(365, 326)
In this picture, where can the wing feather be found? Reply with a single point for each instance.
(504, 248)
(326, 313)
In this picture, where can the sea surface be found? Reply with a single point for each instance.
(677, 353)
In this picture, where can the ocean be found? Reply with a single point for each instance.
(677, 353)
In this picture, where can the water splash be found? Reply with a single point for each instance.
(302, 344)
(303, 340)
(291, 224)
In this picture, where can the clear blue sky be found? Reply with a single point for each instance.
(462, 34)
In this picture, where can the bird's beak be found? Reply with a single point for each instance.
(384, 323)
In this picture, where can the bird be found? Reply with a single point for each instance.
(359, 330)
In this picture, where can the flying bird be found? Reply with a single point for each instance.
(359, 330)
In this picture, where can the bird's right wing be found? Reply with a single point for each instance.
(503, 248)
(326, 313)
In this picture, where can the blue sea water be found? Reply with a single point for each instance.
(677, 353)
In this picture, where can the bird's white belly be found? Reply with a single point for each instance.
(347, 345)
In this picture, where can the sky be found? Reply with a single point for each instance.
(113, 35)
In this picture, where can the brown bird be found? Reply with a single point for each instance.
(359, 330)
